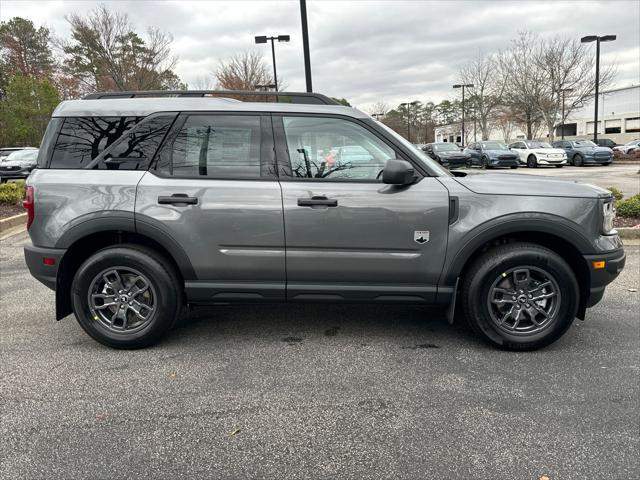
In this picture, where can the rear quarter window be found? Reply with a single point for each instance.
(82, 139)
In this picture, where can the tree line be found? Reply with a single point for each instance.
(521, 87)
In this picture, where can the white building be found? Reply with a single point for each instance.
(618, 108)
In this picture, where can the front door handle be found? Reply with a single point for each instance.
(180, 199)
(320, 201)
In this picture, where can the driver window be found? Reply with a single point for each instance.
(334, 149)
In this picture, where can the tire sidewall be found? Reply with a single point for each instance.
(532, 161)
(166, 303)
(489, 272)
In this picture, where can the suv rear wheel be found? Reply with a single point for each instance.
(126, 297)
(520, 297)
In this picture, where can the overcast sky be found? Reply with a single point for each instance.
(365, 51)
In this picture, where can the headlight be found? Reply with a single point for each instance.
(608, 215)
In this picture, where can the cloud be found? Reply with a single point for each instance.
(365, 51)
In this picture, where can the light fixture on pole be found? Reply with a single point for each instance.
(463, 86)
(597, 39)
(407, 105)
(279, 38)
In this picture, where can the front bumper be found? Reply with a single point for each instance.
(45, 271)
(598, 160)
(601, 277)
(496, 162)
(552, 161)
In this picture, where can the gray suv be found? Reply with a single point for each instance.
(140, 206)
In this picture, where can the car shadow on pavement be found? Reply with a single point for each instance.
(415, 327)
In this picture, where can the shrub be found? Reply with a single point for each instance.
(617, 194)
(629, 207)
(11, 193)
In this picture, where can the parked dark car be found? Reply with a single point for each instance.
(447, 154)
(18, 164)
(491, 154)
(606, 142)
(581, 152)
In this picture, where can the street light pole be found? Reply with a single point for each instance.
(597, 39)
(279, 38)
(463, 86)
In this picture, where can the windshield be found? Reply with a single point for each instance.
(23, 155)
(445, 147)
(493, 146)
(538, 145)
(584, 143)
(423, 156)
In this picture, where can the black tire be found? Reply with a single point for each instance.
(532, 161)
(559, 166)
(479, 281)
(484, 163)
(513, 167)
(163, 281)
(578, 161)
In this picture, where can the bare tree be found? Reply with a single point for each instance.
(204, 82)
(105, 53)
(488, 87)
(567, 65)
(380, 107)
(243, 72)
(523, 81)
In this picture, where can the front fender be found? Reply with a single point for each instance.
(463, 247)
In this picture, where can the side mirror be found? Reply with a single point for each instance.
(398, 172)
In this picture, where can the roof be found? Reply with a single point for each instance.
(125, 107)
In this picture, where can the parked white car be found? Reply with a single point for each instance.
(533, 153)
(628, 147)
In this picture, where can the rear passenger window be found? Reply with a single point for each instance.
(135, 149)
(82, 139)
(214, 146)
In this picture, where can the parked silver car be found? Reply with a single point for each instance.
(142, 205)
(18, 164)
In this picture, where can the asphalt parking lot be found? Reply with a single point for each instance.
(315, 391)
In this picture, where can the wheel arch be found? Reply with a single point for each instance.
(86, 241)
(564, 241)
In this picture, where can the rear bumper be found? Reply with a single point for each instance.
(601, 277)
(35, 259)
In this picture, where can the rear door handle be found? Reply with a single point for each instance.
(319, 201)
(177, 199)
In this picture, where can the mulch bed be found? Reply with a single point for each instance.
(626, 222)
(7, 211)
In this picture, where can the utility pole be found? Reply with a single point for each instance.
(305, 44)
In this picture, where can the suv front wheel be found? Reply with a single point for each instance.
(126, 296)
(520, 296)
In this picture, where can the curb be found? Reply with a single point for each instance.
(628, 232)
(16, 220)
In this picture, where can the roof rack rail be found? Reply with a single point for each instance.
(277, 97)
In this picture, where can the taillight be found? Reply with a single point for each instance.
(29, 204)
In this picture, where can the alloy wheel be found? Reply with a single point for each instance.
(122, 299)
(524, 300)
